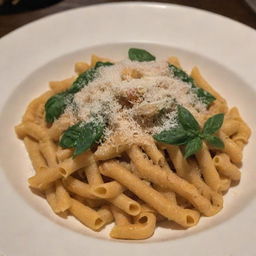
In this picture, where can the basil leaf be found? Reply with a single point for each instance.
(81, 136)
(214, 141)
(182, 75)
(175, 136)
(86, 77)
(90, 134)
(70, 136)
(213, 124)
(193, 146)
(187, 120)
(136, 54)
(82, 80)
(102, 64)
(203, 95)
(55, 106)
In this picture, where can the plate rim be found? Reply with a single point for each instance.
(147, 4)
(142, 3)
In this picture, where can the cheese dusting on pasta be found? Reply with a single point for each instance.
(134, 98)
(133, 142)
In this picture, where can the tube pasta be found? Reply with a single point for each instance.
(78, 187)
(111, 148)
(51, 198)
(35, 131)
(63, 200)
(48, 149)
(166, 193)
(106, 214)
(207, 167)
(218, 106)
(231, 148)
(108, 190)
(63, 154)
(170, 180)
(224, 184)
(121, 218)
(243, 132)
(178, 160)
(174, 61)
(126, 176)
(31, 111)
(143, 228)
(59, 126)
(86, 215)
(118, 199)
(20, 131)
(92, 173)
(126, 204)
(95, 59)
(44, 177)
(153, 152)
(189, 170)
(230, 127)
(119, 143)
(60, 86)
(184, 217)
(225, 167)
(242, 135)
(37, 160)
(195, 178)
(71, 165)
(81, 67)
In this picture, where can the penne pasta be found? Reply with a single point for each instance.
(81, 67)
(134, 142)
(184, 217)
(61, 86)
(143, 228)
(71, 165)
(78, 187)
(108, 190)
(86, 215)
(62, 197)
(33, 149)
(225, 167)
(205, 163)
(169, 180)
(121, 218)
(126, 204)
(44, 177)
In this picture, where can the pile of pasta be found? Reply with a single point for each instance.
(134, 185)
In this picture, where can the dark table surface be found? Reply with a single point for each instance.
(14, 17)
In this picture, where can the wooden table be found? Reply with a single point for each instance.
(234, 9)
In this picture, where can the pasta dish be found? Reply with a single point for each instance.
(134, 142)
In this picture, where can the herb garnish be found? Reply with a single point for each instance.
(141, 55)
(56, 105)
(82, 136)
(190, 134)
(203, 95)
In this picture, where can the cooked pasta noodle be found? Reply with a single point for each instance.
(111, 145)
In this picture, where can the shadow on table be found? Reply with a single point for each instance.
(18, 6)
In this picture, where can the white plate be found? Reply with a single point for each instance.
(47, 49)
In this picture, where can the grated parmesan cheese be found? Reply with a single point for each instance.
(134, 98)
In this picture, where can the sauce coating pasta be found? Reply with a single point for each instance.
(133, 142)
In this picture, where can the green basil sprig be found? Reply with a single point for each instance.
(190, 134)
(56, 105)
(141, 55)
(203, 95)
(82, 136)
